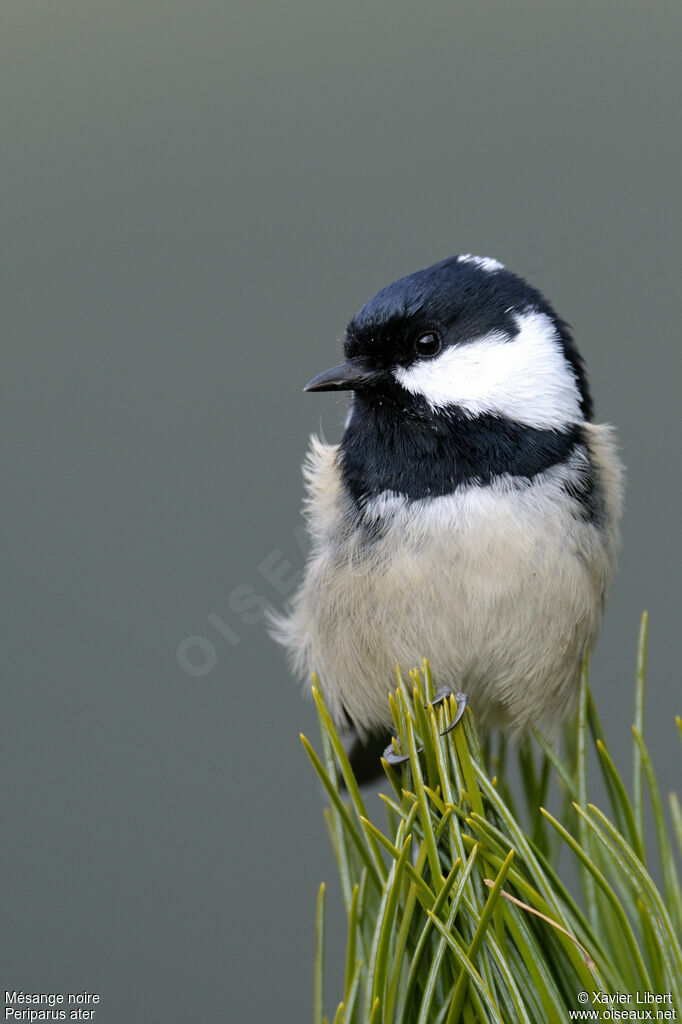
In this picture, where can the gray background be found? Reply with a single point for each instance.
(195, 199)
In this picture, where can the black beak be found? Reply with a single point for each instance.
(346, 377)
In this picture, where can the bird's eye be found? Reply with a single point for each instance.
(428, 344)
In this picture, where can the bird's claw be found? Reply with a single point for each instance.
(395, 759)
(462, 700)
(441, 694)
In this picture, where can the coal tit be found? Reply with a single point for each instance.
(469, 514)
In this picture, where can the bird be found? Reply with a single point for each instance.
(470, 513)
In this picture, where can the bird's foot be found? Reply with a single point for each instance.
(442, 694)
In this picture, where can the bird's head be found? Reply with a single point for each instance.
(465, 337)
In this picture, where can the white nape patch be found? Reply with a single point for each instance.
(484, 262)
(526, 378)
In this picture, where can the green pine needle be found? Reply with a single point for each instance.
(459, 911)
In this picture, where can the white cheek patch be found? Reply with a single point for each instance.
(527, 379)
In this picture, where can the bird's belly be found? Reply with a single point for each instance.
(499, 607)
